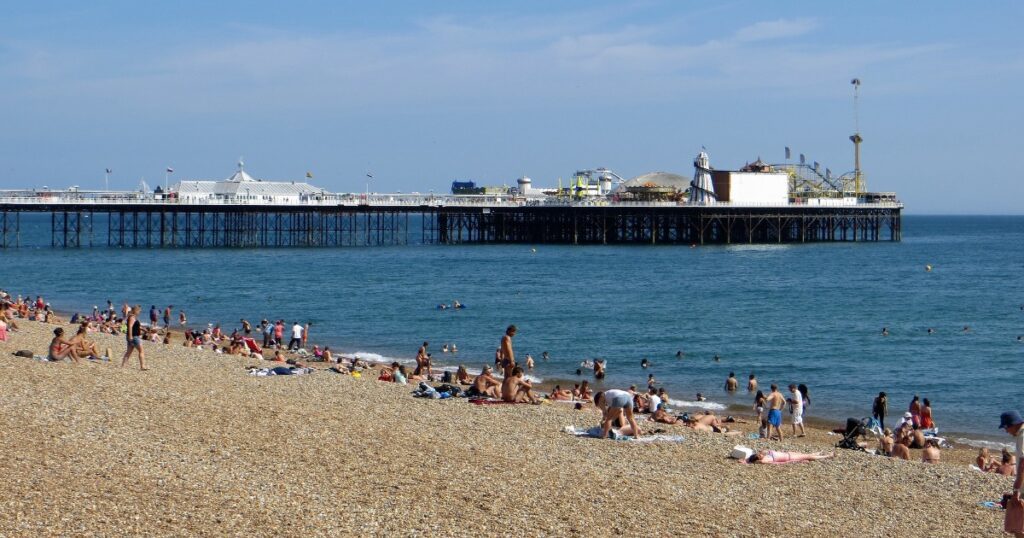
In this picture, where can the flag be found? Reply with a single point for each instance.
(787, 153)
(109, 171)
(170, 170)
(309, 175)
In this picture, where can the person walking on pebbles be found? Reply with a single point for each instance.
(134, 339)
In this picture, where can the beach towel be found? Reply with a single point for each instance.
(595, 432)
(253, 347)
(482, 401)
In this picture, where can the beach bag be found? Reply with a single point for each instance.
(740, 452)
(1014, 521)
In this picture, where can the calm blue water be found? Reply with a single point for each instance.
(800, 313)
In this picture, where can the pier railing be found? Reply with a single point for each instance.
(71, 199)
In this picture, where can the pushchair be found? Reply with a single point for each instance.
(854, 428)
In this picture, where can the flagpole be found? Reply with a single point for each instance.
(106, 180)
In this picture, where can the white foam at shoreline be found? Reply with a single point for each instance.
(701, 405)
(377, 358)
(982, 443)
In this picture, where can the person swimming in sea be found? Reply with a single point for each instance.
(717, 358)
(680, 354)
(599, 366)
(885, 331)
(645, 363)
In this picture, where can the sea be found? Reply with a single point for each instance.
(791, 313)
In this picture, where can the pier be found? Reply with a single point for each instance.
(136, 220)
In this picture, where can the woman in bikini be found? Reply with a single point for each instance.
(777, 456)
(462, 376)
(61, 349)
(83, 346)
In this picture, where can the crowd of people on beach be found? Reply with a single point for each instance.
(619, 408)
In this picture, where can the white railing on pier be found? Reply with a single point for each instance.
(84, 200)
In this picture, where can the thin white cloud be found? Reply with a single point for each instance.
(777, 29)
(448, 60)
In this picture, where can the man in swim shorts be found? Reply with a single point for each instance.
(506, 356)
(775, 403)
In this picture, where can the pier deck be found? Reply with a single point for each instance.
(137, 221)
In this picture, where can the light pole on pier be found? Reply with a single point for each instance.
(106, 180)
(369, 177)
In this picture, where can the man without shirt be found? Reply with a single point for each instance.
(775, 403)
(516, 389)
(506, 357)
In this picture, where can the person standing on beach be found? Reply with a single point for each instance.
(880, 408)
(133, 338)
(154, 315)
(506, 356)
(1013, 423)
(181, 318)
(305, 333)
(926, 415)
(915, 411)
(775, 402)
(422, 360)
(167, 316)
(731, 384)
(296, 340)
(796, 403)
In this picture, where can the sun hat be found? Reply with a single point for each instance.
(1010, 418)
(907, 415)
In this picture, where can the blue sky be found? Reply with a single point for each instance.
(421, 93)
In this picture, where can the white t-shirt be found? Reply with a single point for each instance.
(296, 331)
(798, 403)
(654, 403)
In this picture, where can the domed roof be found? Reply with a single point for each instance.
(656, 179)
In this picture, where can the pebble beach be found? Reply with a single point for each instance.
(195, 446)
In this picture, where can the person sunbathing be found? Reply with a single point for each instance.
(886, 443)
(765, 456)
(485, 384)
(1008, 465)
(930, 454)
(585, 392)
(558, 393)
(83, 347)
(515, 388)
(984, 460)
(900, 451)
(61, 349)
(661, 416)
(462, 376)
